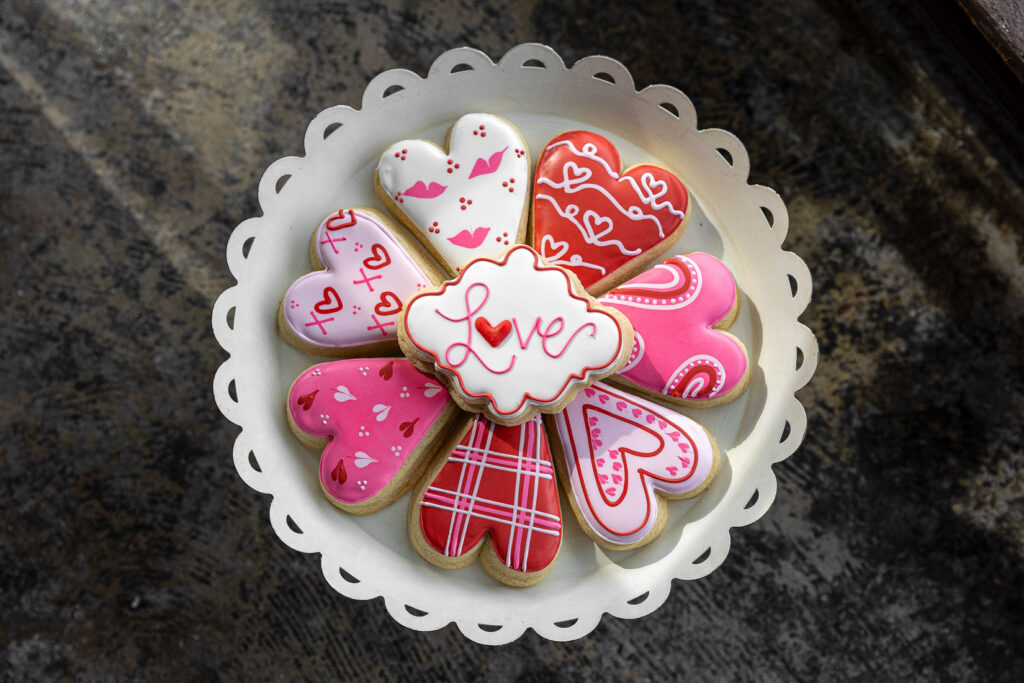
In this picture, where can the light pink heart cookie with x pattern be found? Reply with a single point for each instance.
(620, 454)
(352, 305)
(464, 203)
(381, 417)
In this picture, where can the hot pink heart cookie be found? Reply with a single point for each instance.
(620, 455)
(381, 418)
(678, 309)
(597, 221)
(351, 307)
(464, 203)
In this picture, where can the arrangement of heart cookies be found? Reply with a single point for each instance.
(499, 337)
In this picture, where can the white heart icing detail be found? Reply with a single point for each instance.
(591, 219)
(430, 389)
(649, 184)
(343, 394)
(579, 175)
(550, 256)
(381, 411)
(362, 460)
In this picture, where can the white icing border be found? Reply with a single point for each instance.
(418, 595)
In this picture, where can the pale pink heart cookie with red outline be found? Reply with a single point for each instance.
(679, 309)
(600, 222)
(494, 483)
(619, 457)
(464, 202)
(513, 337)
(377, 421)
(351, 307)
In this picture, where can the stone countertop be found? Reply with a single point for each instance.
(132, 138)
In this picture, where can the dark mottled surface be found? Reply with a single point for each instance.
(132, 138)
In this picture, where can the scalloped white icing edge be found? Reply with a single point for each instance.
(519, 57)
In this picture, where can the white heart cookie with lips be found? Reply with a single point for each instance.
(352, 306)
(620, 455)
(513, 337)
(469, 202)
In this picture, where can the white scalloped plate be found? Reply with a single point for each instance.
(744, 225)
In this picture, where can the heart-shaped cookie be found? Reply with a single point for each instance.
(613, 461)
(464, 203)
(678, 310)
(379, 431)
(351, 307)
(497, 482)
(599, 222)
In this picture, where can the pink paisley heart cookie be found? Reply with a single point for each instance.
(601, 223)
(351, 306)
(679, 310)
(376, 421)
(619, 457)
(466, 201)
(495, 482)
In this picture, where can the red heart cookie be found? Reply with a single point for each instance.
(497, 482)
(596, 221)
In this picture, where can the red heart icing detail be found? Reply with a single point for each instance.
(389, 304)
(306, 401)
(588, 391)
(603, 398)
(677, 351)
(606, 217)
(342, 219)
(494, 334)
(636, 412)
(620, 405)
(379, 259)
(338, 474)
(330, 303)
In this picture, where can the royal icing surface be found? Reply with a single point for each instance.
(673, 307)
(513, 332)
(498, 481)
(357, 298)
(468, 202)
(374, 411)
(593, 220)
(618, 450)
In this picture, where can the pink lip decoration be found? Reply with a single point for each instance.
(470, 240)
(421, 191)
(490, 165)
